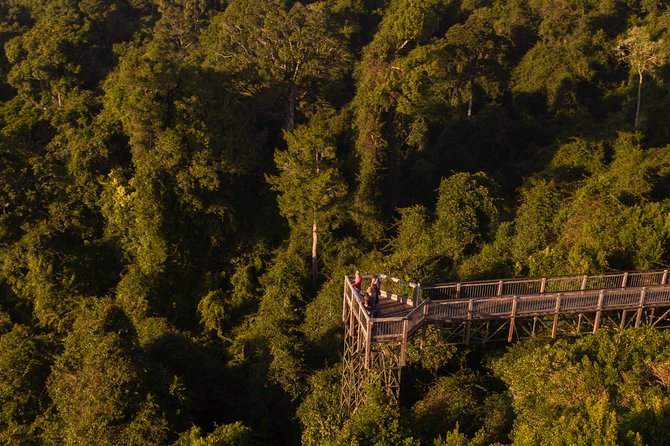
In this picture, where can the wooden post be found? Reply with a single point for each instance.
(368, 344)
(557, 311)
(415, 294)
(624, 282)
(403, 347)
(351, 316)
(500, 288)
(512, 320)
(359, 338)
(543, 285)
(664, 280)
(344, 300)
(468, 323)
(596, 323)
(425, 323)
(458, 290)
(640, 307)
(584, 281)
(579, 322)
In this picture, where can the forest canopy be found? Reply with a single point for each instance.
(184, 184)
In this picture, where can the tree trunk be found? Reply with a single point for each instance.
(639, 98)
(472, 94)
(289, 112)
(314, 245)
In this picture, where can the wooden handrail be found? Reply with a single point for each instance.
(530, 279)
(493, 288)
(501, 306)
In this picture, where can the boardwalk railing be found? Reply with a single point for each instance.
(540, 285)
(509, 307)
(399, 290)
(489, 300)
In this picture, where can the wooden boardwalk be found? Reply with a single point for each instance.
(482, 311)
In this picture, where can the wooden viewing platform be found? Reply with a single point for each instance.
(482, 311)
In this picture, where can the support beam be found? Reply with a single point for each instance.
(596, 323)
(510, 336)
(640, 307)
(557, 311)
(468, 326)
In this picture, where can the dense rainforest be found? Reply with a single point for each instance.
(184, 184)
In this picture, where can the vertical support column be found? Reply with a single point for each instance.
(500, 287)
(510, 335)
(584, 279)
(468, 325)
(403, 347)
(596, 323)
(458, 290)
(360, 339)
(344, 300)
(664, 279)
(624, 281)
(416, 291)
(543, 285)
(368, 343)
(351, 316)
(424, 316)
(557, 311)
(640, 307)
(579, 323)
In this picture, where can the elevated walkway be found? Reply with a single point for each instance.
(483, 311)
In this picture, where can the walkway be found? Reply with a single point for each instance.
(481, 311)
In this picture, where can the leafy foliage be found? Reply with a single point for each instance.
(164, 163)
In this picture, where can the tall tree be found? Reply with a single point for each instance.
(476, 50)
(291, 48)
(311, 189)
(643, 55)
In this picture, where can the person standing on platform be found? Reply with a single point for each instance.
(358, 280)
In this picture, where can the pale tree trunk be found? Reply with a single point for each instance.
(472, 94)
(639, 99)
(315, 238)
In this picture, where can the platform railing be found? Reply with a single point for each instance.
(540, 285)
(631, 290)
(503, 307)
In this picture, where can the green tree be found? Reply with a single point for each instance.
(288, 46)
(235, 434)
(25, 361)
(99, 384)
(589, 391)
(466, 214)
(311, 189)
(378, 421)
(320, 412)
(643, 55)
(476, 50)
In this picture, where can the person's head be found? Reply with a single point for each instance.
(357, 274)
(369, 289)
